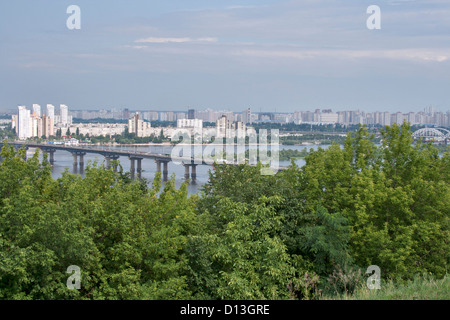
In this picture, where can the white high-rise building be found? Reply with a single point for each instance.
(37, 110)
(64, 115)
(170, 116)
(377, 117)
(24, 123)
(223, 126)
(190, 123)
(36, 126)
(411, 117)
(239, 129)
(397, 118)
(297, 117)
(139, 127)
(51, 111)
(329, 117)
(386, 119)
(247, 116)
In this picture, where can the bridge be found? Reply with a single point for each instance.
(111, 157)
(439, 135)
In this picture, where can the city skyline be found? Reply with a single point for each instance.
(267, 55)
(34, 124)
(13, 109)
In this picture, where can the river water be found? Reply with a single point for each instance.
(64, 160)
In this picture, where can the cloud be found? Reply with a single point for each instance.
(135, 47)
(163, 40)
(175, 40)
(234, 7)
(400, 54)
(207, 39)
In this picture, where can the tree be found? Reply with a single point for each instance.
(392, 197)
(314, 240)
(242, 257)
(127, 239)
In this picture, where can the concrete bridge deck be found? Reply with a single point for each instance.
(78, 152)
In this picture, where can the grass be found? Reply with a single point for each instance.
(423, 287)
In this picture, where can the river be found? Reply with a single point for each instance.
(64, 160)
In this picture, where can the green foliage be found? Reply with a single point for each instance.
(305, 127)
(315, 240)
(7, 133)
(302, 233)
(314, 138)
(127, 239)
(249, 257)
(290, 154)
(395, 198)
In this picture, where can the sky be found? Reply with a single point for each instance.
(270, 56)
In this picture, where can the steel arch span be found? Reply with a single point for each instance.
(440, 134)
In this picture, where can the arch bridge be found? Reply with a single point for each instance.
(439, 135)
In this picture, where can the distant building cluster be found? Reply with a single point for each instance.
(428, 116)
(228, 129)
(227, 124)
(37, 123)
(139, 127)
(207, 115)
(97, 129)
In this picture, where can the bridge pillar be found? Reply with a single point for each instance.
(194, 172)
(132, 169)
(52, 157)
(75, 155)
(81, 163)
(110, 157)
(139, 167)
(50, 152)
(193, 169)
(75, 162)
(166, 171)
(186, 171)
(133, 166)
(158, 166)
